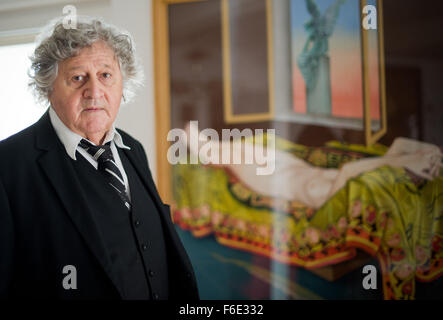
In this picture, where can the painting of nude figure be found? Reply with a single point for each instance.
(320, 207)
(332, 205)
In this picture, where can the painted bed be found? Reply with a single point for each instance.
(388, 215)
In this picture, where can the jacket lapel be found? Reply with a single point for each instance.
(61, 174)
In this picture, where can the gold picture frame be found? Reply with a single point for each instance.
(370, 137)
(229, 116)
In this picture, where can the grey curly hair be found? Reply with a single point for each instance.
(57, 43)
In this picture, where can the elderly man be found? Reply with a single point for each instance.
(80, 217)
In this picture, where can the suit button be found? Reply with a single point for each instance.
(144, 247)
(188, 275)
(137, 223)
(151, 273)
(155, 296)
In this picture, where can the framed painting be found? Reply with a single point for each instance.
(337, 65)
(243, 244)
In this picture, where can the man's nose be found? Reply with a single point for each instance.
(93, 89)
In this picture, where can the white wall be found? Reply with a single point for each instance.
(136, 118)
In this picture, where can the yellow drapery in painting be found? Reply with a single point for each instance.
(387, 212)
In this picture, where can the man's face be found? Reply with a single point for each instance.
(87, 92)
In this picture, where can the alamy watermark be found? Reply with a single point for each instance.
(70, 280)
(370, 280)
(70, 17)
(370, 19)
(207, 148)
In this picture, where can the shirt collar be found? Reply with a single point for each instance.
(70, 139)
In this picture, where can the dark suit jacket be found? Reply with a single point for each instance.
(45, 223)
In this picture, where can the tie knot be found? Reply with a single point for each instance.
(99, 153)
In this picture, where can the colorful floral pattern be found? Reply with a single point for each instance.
(385, 212)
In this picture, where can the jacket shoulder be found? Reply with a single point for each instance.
(19, 142)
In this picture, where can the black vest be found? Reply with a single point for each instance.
(133, 239)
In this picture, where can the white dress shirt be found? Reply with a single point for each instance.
(70, 140)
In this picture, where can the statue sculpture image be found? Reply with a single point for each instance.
(314, 61)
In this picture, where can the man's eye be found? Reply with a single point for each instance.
(106, 75)
(78, 78)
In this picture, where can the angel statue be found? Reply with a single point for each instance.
(314, 60)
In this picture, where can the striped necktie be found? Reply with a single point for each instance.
(106, 164)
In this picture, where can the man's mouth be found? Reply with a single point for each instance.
(93, 109)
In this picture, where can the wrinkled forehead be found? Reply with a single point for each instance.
(98, 54)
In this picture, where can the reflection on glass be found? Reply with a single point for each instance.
(334, 205)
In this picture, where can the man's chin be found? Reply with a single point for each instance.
(96, 129)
